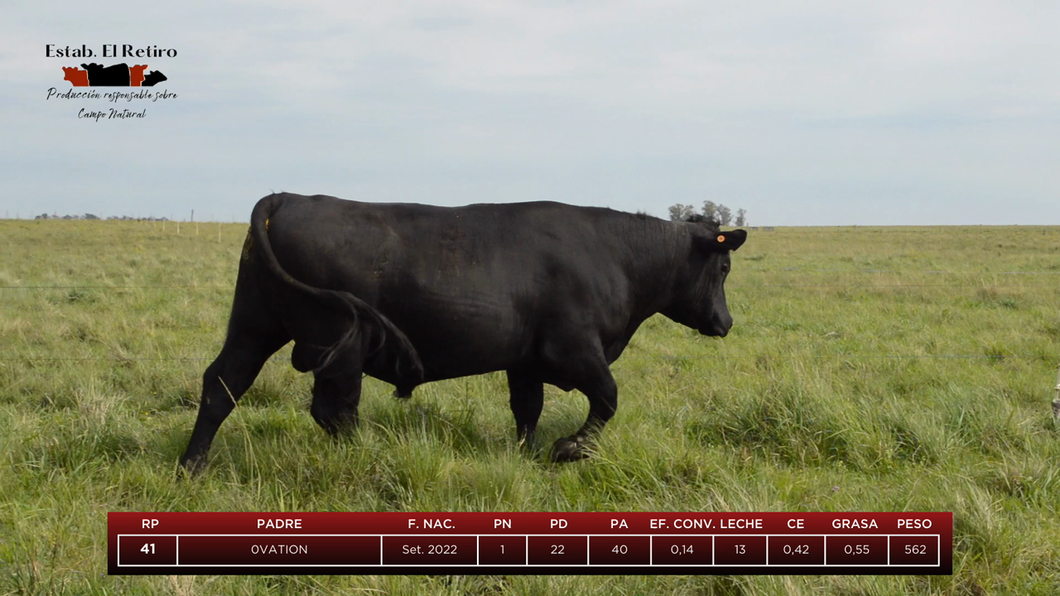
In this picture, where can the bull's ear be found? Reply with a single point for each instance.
(730, 240)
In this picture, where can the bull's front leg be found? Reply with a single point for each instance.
(603, 401)
(587, 368)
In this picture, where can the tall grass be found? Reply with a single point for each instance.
(869, 369)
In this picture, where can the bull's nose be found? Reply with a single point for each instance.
(716, 330)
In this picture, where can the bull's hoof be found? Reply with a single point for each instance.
(528, 444)
(191, 466)
(337, 425)
(570, 449)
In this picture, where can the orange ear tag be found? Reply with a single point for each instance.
(721, 238)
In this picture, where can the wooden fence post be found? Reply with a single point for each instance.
(1056, 399)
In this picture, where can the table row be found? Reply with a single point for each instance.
(508, 550)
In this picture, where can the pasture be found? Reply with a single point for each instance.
(868, 369)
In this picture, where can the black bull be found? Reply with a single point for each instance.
(409, 294)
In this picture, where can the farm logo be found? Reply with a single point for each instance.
(93, 74)
(118, 75)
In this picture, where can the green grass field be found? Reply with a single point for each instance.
(869, 369)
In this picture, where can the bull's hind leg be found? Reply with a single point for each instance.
(336, 395)
(226, 380)
(527, 397)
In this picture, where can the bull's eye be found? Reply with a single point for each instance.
(725, 269)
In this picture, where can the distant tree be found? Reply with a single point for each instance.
(710, 210)
(724, 215)
(680, 212)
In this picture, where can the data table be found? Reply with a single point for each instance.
(530, 543)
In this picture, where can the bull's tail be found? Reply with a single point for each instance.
(364, 317)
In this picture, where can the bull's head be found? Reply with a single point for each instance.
(699, 294)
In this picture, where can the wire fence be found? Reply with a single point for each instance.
(783, 270)
(894, 285)
(837, 356)
(897, 271)
(102, 359)
(120, 287)
(728, 286)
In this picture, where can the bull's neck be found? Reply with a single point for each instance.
(654, 258)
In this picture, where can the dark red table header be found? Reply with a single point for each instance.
(496, 523)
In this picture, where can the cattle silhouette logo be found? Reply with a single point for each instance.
(116, 75)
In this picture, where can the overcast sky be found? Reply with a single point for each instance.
(826, 112)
